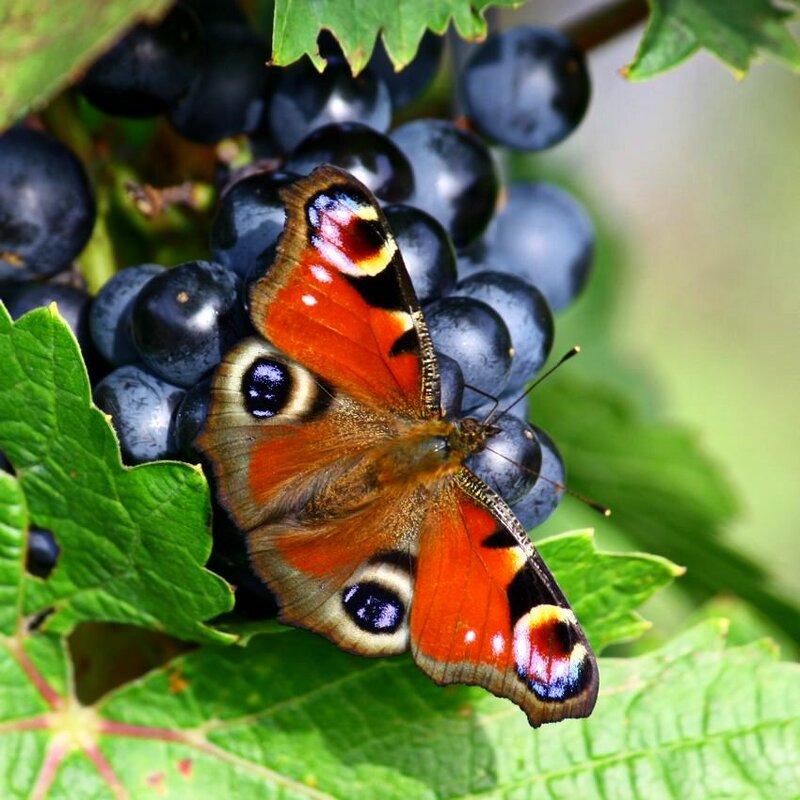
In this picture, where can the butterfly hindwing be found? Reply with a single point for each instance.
(487, 611)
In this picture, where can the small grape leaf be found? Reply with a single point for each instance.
(44, 46)
(133, 541)
(357, 24)
(666, 495)
(734, 32)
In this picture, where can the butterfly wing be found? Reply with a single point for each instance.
(339, 301)
(487, 611)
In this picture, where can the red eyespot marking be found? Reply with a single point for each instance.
(346, 232)
(548, 654)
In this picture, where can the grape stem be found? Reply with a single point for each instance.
(603, 24)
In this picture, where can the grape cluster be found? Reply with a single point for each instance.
(490, 263)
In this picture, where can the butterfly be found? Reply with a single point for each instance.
(332, 454)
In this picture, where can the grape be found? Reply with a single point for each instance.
(426, 249)
(410, 82)
(527, 87)
(141, 408)
(110, 315)
(455, 178)
(229, 94)
(257, 271)
(542, 500)
(476, 337)
(305, 99)
(149, 69)
(525, 312)
(511, 459)
(185, 319)
(541, 234)
(42, 553)
(47, 210)
(188, 420)
(452, 385)
(370, 156)
(249, 220)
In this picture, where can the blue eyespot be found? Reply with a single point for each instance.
(266, 387)
(373, 607)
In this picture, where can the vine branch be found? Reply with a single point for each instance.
(602, 24)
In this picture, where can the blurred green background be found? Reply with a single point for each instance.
(698, 176)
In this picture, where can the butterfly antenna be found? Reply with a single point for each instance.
(495, 401)
(595, 506)
(566, 357)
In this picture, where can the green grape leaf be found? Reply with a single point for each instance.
(44, 46)
(666, 495)
(132, 541)
(605, 588)
(736, 33)
(357, 24)
(291, 716)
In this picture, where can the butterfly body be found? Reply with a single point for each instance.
(333, 456)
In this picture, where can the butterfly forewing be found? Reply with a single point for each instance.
(487, 611)
(339, 300)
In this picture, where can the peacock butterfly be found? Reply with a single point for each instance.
(332, 454)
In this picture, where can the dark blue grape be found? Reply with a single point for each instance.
(306, 99)
(511, 459)
(525, 312)
(370, 156)
(189, 419)
(455, 177)
(410, 82)
(230, 92)
(542, 500)
(476, 337)
(257, 271)
(110, 315)
(185, 319)
(426, 249)
(47, 210)
(452, 386)
(526, 87)
(42, 553)
(149, 69)
(546, 237)
(141, 407)
(249, 220)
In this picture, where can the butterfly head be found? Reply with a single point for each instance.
(469, 436)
